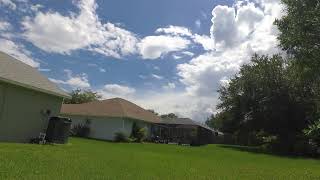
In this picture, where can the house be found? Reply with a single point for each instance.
(184, 131)
(27, 100)
(107, 117)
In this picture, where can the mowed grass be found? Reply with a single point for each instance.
(91, 159)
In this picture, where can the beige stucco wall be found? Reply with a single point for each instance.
(22, 114)
(106, 127)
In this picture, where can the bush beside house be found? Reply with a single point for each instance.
(138, 134)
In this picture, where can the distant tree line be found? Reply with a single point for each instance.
(164, 116)
(274, 101)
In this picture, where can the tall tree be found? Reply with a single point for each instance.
(300, 38)
(153, 111)
(210, 121)
(259, 99)
(300, 30)
(79, 96)
(278, 96)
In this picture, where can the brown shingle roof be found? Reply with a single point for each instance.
(179, 121)
(16, 72)
(183, 121)
(115, 107)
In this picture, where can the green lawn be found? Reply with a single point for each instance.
(90, 159)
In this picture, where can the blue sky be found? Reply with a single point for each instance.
(169, 55)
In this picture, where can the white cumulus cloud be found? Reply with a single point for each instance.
(175, 30)
(4, 26)
(180, 103)
(188, 53)
(202, 74)
(116, 90)
(236, 33)
(54, 32)
(17, 51)
(198, 23)
(232, 26)
(102, 70)
(8, 3)
(153, 47)
(204, 40)
(74, 81)
(169, 86)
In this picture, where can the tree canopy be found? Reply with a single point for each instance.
(277, 96)
(170, 115)
(79, 96)
(300, 30)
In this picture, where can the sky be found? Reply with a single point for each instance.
(168, 55)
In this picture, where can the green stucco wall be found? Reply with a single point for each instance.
(22, 112)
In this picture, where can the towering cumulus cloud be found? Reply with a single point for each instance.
(236, 33)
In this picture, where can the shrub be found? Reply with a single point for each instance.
(141, 135)
(313, 133)
(135, 129)
(138, 134)
(121, 137)
(266, 148)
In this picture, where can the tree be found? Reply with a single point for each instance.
(79, 96)
(170, 116)
(300, 38)
(138, 133)
(313, 132)
(279, 97)
(259, 98)
(153, 111)
(216, 121)
(300, 30)
(210, 121)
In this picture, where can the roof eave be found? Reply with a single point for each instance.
(35, 88)
(104, 116)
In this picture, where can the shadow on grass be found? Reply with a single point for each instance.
(93, 139)
(259, 150)
(110, 141)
